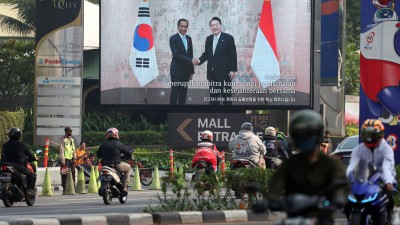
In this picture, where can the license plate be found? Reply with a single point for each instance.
(298, 221)
(5, 177)
(105, 177)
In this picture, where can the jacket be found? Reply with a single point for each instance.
(382, 157)
(110, 151)
(247, 145)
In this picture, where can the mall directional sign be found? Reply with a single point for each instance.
(184, 129)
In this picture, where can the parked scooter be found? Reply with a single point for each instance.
(367, 198)
(111, 186)
(13, 187)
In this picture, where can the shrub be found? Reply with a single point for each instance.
(10, 119)
(352, 129)
(129, 138)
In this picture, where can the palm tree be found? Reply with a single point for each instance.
(26, 17)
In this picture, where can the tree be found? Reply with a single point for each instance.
(26, 17)
(352, 64)
(17, 61)
(352, 78)
(353, 12)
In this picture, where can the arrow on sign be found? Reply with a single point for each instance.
(181, 129)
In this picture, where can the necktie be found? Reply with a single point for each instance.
(215, 44)
(184, 42)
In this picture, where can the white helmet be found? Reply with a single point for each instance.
(270, 131)
(206, 135)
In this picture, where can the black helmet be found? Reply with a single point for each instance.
(14, 133)
(306, 130)
(247, 126)
(67, 129)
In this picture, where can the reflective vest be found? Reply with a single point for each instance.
(69, 148)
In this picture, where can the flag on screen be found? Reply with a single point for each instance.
(143, 55)
(264, 62)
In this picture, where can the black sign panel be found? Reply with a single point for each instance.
(184, 130)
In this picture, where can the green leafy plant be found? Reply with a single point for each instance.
(352, 129)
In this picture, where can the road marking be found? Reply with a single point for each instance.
(69, 210)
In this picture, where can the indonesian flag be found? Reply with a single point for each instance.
(265, 62)
(143, 54)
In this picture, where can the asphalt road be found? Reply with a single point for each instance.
(79, 204)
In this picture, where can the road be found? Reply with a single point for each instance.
(80, 204)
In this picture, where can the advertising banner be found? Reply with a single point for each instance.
(380, 67)
(263, 57)
(58, 69)
(184, 130)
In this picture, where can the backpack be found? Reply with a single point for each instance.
(274, 149)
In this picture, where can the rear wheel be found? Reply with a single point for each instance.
(123, 198)
(146, 177)
(7, 194)
(107, 196)
(30, 199)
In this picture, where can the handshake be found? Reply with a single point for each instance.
(196, 62)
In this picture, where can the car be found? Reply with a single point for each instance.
(344, 149)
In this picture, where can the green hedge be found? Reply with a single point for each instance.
(10, 119)
(130, 138)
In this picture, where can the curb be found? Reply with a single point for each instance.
(147, 218)
(54, 188)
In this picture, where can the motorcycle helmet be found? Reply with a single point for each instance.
(14, 133)
(270, 131)
(306, 130)
(372, 132)
(281, 136)
(247, 126)
(112, 133)
(206, 135)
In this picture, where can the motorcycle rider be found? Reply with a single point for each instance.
(15, 153)
(309, 171)
(374, 149)
(110, 154)
(275, 151)
(247, 145)
(207, 151)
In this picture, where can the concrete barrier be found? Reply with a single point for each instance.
(145, 218)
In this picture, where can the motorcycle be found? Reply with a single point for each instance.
(13, 187)
(201, 183)
(236, 164)
(298, 206)
(367, 198)
(111, 186)
(242, 163)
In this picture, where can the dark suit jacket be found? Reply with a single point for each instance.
(181, 64)
(223, 61)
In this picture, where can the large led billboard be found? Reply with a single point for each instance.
(262, 58)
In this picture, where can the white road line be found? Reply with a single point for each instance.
(63, 210)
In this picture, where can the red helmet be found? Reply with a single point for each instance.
(372, 132)
(207, 135)
(112, 133)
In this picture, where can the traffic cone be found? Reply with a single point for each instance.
(96, 171)
(81, 188)
(136, 186)
(69, 187)
(92, 182)
(155, 185)
(47, 190)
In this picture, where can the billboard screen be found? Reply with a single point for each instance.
(261, 58)
(380, 67)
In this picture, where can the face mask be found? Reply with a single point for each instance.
(307, 146)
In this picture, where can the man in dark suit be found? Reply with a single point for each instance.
(220, 51)
(181, 66)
